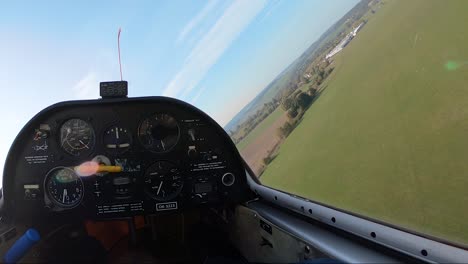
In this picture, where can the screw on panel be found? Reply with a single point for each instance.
(424, 252)
(373, 234)
(333, 219)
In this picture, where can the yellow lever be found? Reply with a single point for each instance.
(90, 168)
(106, 168)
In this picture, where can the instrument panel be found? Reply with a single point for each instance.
(121, 157)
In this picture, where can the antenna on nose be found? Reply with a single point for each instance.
(115, 89)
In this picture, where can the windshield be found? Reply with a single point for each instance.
(361, 105)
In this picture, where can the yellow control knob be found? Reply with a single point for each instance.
(106, 168)
(90, 168)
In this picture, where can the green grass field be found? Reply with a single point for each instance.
(388, 137)
(257, 131)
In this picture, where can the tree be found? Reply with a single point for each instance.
(303, 100)
(321, 73)
(285, 130)
(312, 91)
(318, 80)
(293, 112)
(287, 103)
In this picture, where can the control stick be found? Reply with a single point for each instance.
(22, 246)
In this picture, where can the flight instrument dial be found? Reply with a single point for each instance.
(163, 181)
(64, 187)
(76, 136)
(159, 133)
(117, 139)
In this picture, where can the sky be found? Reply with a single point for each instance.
(217, 55)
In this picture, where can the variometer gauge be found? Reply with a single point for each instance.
(64, 187)
(159, 133)
(76, 136)
(163, 181)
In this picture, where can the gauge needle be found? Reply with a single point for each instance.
(86, 146)
(162, 144)
(117, 133)
(64, 194)
(66, 136)
(159, 188)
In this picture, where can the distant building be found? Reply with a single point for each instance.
(340, 46)
(356, 30)
(344, 42)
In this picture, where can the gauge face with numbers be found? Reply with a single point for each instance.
(76, 136)
(64, 187)
(163, 181)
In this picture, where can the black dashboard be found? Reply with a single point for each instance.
(114, 158)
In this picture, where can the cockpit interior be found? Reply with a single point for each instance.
(154, 180)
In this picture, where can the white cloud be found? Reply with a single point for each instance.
(269, 10)
(87, 87)
(212, 45)
(104, 68)
(199, 93)
(196, 20)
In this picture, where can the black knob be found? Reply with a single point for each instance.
(228, 179)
